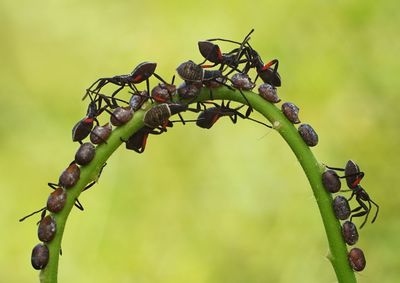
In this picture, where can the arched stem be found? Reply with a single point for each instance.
(312, 168)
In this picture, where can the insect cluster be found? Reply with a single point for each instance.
(341, 206)
(224, 69)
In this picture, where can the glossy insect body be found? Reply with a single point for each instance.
(47, 229)
(350, 233)
(83, 128)
(70, 176)
(341, 207)
(353, 177)
(163, 92)
(352, 174)
(232, 59)
(291, 112)
(242, 81)
(100, 134)
(121, 115)
(141, 73)
(357, 259)
(138, 140)
(267, 74)
(191, 72)
(210, 116)
(85, 153)
(159, 114)
(40, 256)
(308, 134)
(331, 181)
(56, 200)
(269, 93)
(137, 100)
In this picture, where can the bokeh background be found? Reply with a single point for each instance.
(229, 204)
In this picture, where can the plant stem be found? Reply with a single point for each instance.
(312, 168)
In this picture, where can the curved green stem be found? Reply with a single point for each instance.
(312, 168)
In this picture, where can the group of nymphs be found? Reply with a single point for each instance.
(166, 100)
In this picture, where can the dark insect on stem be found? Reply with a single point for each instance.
(232, 59)
(210, 116)
(137, 141)
(353, 177)
(357, 259)
(140, 73)
(159, 115)
(193, 73)
(40, 256)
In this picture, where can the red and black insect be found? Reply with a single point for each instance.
(212, 52)
(138, 140)
(142, 72)
(267, 72)
(163, 92)
(84, 127)
(210, 116)
(353, 177)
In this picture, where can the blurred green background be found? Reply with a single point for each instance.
(230, 204)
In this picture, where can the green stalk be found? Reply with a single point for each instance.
(312, 168)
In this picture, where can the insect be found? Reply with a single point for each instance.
(84, 127)
(163, 92)
(357, 259)
(40, 256)
(353, 177)
(291, 112)
(267, 74)
(137, 99)
(341, 207)
(159, 115)
(350, 233)
(85, 153)
(212, 52)
(269, 93)
(331, 181)
(100, 134)
(210, 116)
(47, 229)
(140, 73)
(189, 71)
(138, 140)
(308, 134)
(68, 178)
